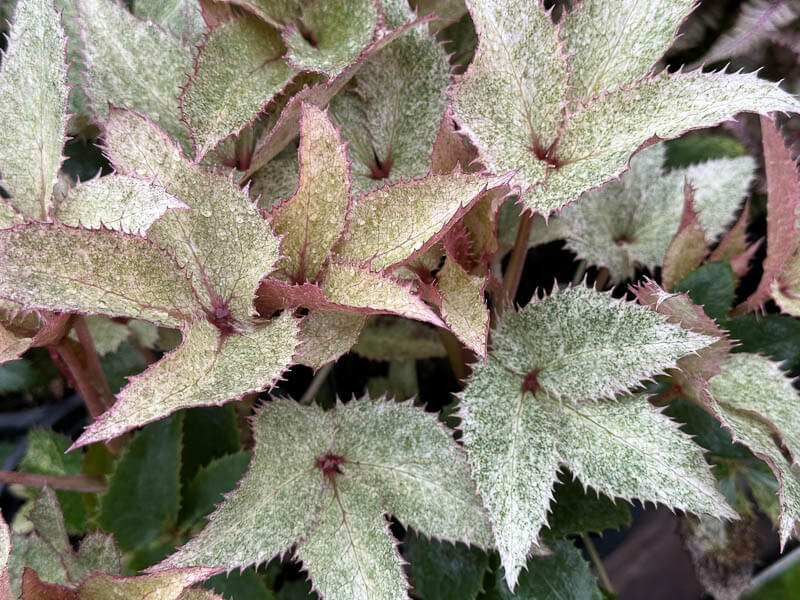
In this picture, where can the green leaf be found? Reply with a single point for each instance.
(562, 576)
(159, 586)
(325, 336)
(276, 181)
(118, 202)
(244, 585)
(9, 216)
(244, 55)
(463, 306)
(691, 149)
(323, 480)
(576, 510)
(133, 64)
(275, 12)
(393, 224)
(312, 220)
(53, 267)
(107, 335)
(184, 18)
(209, 432)
(207, 487)
(444, 571)
(207, 368)
(144, 490)
(223, 239)
(392, 338)
(614, 45)
(391, 116)
(33, 107)
(45, 455)
(712, 286)
(705, 430)
(512, 99)
(775, 336)
(339, 30)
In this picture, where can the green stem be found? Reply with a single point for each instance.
(579, 272)
(597, 561)
(455, 354)
(316, 383)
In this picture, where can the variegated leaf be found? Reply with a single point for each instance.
(277, 181)
(688, 248)
(33, 107)
(238, 70)
(393, 339)
(325, 336)
(391, 118)
(463, 305)
(359, 287)
(208, 368)
(133, 64)
(392, 224)
(223, 239)
(499, 100)
(313, 219)
(323, 480)
(118, 202)
(54, 267)
(334, 34)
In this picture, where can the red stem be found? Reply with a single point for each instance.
(84, 387)
(91, 484)
(516, 263)
(93, 366)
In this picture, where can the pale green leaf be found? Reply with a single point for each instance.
(629, 223)
(239, 68)
(277, 180)
(78, 102)
(118, 202)
(512, 97)
(133, 64)
(11, 345)
(349, 554)
(612, 44)
(340, 30)
(393, 338)
(688, 248)
(359, 287)
(5, 551)
(313, 219)
(463, 306)
(33, 107)
(325, 336)
(324, 480)
(391, 117)
(159, 586)
(585, 345)
(107, 334)
(207, 368)
(53, 267)
(184, 18)
(223, 239)
(276, 12)
(9, 216)
(392, 224)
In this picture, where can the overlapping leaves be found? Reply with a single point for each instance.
(566, 105)
(528, 409)
(321, 482)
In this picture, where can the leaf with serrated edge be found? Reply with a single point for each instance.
(277, 181)
(11, 345)
(463, 305)
(205, 369)
(688, 248)
(395, 459)
(392, 116)
(223, 239)
(340, 30)
(614, 44)
(313, 218)
(134, 64)
(33, 107)
(159, 586)
(587, 345)
(395, 223)
(355, 286)
(325, 336)
(118, 202)
(245, 55)
(54, 267)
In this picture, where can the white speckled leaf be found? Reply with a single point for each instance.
(313, 219)
(275, 12)
(277, 180)
(318, 475)
(629, 223)
(757, 435)
(206, 369)
(616, 43)
(340, 30)
(133, 64)
(349, 554)
(359, 287)
(223, 239)
(392, 116)
(395, 223)
(463, 305)
(586, 345)
(325, 336)
(238, 70)
(118, 202)
(53, 267)
(33, 107)
(184, 18)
